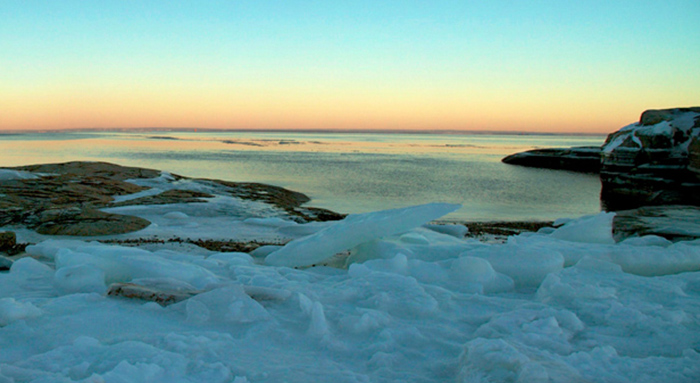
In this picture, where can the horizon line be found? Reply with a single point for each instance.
(310, 130)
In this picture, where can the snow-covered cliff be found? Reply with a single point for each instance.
(653, 161)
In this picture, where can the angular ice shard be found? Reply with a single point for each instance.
(589, 229)
(354, 230)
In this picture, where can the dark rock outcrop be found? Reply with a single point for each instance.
(87, 222)
(694, 156)
(584, 159)
(162, 297)
(64, 198)
(674, 222)
(8, 240)
(653, 162)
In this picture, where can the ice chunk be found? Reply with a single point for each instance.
(414, 238)
(223, 305)
(457, 231)
(477, 275)
(497, 360)
(232, 258)
(12, 310)
(354, 230)
(50, 247)
(647, 240)
(264, 251)
(528, 266)
(427, 272)
(318, 326)
(655, 261)
(396, 265)
(393, 293)
(29, 267)
(590, 229)
(494, 358)
(472, 269)
(377, 250)
(297, 230)
(122, 264)
(138, 372)
(80, 279)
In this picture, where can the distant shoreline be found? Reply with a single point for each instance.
(304, 131)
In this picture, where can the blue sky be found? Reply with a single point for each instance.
(480, 65)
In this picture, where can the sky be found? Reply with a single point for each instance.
(536, 66)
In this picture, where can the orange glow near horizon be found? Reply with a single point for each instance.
(287, 109)
(467, 66)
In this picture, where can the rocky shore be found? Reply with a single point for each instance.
(65, 198)
(220, 264)
(585, 159)
(655, 161)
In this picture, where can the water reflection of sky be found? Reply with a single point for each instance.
(347, 172)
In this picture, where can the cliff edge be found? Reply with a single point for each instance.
(655, 161)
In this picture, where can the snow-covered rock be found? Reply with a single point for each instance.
(647, 163)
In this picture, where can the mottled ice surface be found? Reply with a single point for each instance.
(406, 304)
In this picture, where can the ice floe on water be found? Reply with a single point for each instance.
(405, 301)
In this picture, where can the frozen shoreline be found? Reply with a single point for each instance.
(375, 297)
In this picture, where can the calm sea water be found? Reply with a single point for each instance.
(348, 173)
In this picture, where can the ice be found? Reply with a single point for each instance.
(407, 305)
(264, 251)
(232, 258)
(221, 217)
(318, 326)
(12, 311)
(477, 274)
(458, 231)
(592, 229)
(50, 247)
(164, 182)
(354, 230)
(122, 264)
(176, 216)
(526, 265)
(647, 240)
(655, 261)
(80, 279)
(29, 268)
(229, 304)
(8, 175)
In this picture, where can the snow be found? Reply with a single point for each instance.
(612, 145)
(7, 175)
(680, 122)
(405, 301)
